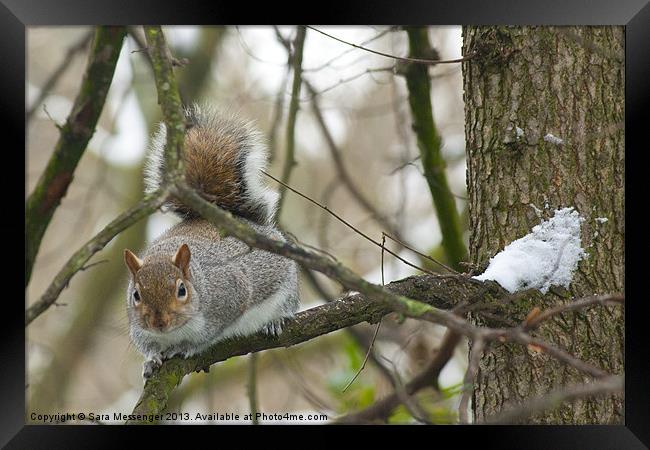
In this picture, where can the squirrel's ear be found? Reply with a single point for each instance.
(132, 262)
(182, 259)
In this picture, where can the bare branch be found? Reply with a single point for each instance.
(475, 355)
(314, 93)
(342, 171)
(573, 306)
(169, 100)
(278, 112)
(329, 62)
(296, 59)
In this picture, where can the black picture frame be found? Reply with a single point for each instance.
(16, 15)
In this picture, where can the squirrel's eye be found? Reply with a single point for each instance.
(182, 292)
(136, 296)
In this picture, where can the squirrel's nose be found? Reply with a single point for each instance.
(159, 323)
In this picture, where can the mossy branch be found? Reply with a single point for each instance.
(429, 143)
(169, 100)
(75, 135)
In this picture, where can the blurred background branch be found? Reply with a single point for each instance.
(75, 134)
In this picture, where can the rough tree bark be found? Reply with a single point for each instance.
(568, 82)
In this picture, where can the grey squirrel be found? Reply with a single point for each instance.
(192, 287)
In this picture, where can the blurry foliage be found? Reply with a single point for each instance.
(359, 394)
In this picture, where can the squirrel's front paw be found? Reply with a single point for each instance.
(274, 328)
(150, 365)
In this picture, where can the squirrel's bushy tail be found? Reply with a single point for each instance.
(223, 156)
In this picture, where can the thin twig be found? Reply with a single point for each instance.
(314, 93)
(340, 55)
(574, 305)
(349, 225)
(406, 399)
(403, 165)
(357, 335)
(539, 345)
(298, 379)
(252, 388)
(423, 255)
(290, 159)
(250, 53)
(476, 352)
(399, 58)
(92, 265)
(365, 359)
(278, 113)
(374, 337)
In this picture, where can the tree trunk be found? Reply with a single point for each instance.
(567, 82)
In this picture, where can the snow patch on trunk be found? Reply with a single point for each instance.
(547, 256)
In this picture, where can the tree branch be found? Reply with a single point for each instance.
(475, 354)
(169, 100)
(75, 134)
(533, 322)
(419, 87)
(331, 268)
